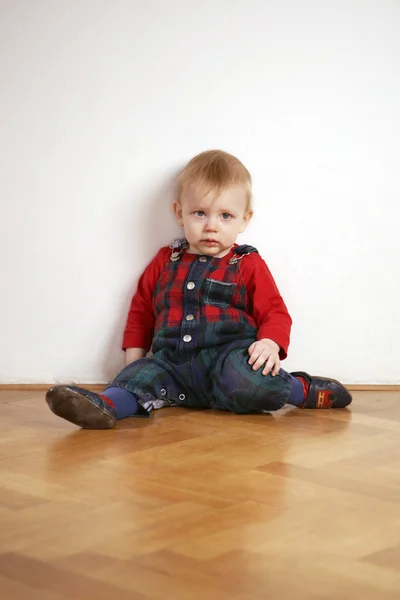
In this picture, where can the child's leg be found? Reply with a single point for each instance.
(131, 394)
(240, 389)
(237, 387)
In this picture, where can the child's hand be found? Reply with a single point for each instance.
(265, 351)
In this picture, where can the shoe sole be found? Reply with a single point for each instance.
(78, 409)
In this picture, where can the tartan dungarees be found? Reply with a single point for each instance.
(200, 359)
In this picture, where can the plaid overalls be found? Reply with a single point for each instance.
(203, 363)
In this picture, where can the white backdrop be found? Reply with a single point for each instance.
(103, 102)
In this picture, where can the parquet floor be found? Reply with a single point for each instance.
(200, 504)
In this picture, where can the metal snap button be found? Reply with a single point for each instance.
(202, 259)
(190, 285)
(187, 338)
(163, 392)
(182, 396)
(189, 317)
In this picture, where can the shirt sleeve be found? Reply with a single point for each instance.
(266, 304)
(139, 329)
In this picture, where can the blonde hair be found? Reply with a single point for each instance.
(217, 171)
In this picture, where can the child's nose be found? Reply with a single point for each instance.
(211, 224)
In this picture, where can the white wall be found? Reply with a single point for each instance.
(102, 102)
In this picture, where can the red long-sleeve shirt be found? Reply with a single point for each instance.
(159, 301)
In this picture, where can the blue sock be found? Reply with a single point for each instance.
(125, 403)
(297, 394)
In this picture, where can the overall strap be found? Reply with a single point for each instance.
(180, 244)
(177, 247)
(241, 252)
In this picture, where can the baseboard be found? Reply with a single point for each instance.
(95, 387)
(366, 387)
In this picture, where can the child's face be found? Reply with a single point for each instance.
(212, 226)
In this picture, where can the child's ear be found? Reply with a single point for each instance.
(246, 219)
(177, 206)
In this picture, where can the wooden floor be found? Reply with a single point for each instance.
(199, 504)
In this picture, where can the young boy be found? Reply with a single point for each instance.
(218, 324)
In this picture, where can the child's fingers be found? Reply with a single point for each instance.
(258, 358)
(268, 365)
(255, 353)
(251, 352)
(276, 368)
(273, 364)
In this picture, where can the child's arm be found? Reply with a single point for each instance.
(266, 304)
(139, 329)
(133, 354)
(271, 315)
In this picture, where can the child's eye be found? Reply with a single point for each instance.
(200, 213)
(226, 216)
